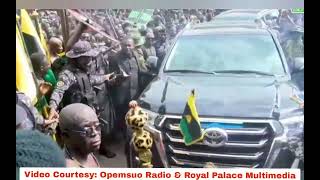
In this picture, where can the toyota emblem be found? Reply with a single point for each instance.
(215, 137)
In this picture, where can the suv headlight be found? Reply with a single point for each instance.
(294, 133)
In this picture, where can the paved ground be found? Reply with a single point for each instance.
(119, 160)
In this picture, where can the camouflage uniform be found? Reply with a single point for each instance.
(138, 52)
(67, 79)
(85, 37)
(46, 27)
(161, 48)
(294, 48)
(149, 49)
(296, 143)
(139, 55)
(182, 23)
(76, 83)
(34, 120)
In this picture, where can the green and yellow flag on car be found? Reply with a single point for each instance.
(190, 126)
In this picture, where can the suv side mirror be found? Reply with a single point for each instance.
(298, 65)
(152, 61)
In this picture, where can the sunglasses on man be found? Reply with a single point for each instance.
(88, 131)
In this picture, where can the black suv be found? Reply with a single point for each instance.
(243, 91)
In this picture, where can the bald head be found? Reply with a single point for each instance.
(55, 45)
(81, 130)
(76, 115)
(55, 41)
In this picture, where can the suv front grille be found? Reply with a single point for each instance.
(247, 146)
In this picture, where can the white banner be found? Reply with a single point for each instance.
(157, 174)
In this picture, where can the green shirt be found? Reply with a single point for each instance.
(58, 65)
(50, 77)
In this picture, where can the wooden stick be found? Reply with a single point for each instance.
(93, 26)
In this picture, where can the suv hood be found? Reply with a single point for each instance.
(221, 96)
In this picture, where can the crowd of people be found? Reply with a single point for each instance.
(91, 74)
(88, 81)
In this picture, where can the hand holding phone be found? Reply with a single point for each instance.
(108, 76)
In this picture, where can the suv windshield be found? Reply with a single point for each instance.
(232, 52)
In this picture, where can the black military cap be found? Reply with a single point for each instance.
(82, 48)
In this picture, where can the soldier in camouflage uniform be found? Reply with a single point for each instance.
(161, 44)
(148, 45)
(27, 116)
(182, 23)
(46, 27)
(100, 44)
(85, 37)
(139, 53)
(294, 46)
(157, 20)
(127, 26)
(141, 56)
(75, 84)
